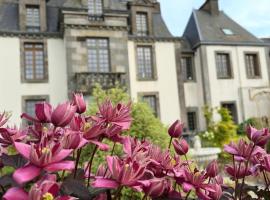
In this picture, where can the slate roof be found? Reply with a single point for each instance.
(204, 28)
(9, 18)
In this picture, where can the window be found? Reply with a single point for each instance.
(227, 31)
(188, 68)
(252, 65)
(141, 24)
(145, 62)
(192, 120)
(95, 8)
(232, 109)
(98, 55)
(34, 67)
(29, 105)
(32, 18)
(151, 100)
(223, 65)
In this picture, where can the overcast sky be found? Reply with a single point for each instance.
(254, 15)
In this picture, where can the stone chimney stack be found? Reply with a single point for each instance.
(211, 6)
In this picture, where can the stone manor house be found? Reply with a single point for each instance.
(50, 48)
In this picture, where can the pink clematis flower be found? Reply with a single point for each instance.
(197, 181)
(48, 157)
(3, 119)
(212, 169)
(238, 172)
(176, 129)
(11, 135)
(242, 150)
(218, 192)
(181, 146)
(73, 140)
(123, 173)
(118, 115)
(79, 102)
(259, 137)
(45, 189)
(63, 114)
(43, 113)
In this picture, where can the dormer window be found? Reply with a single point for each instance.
(32, 18)
(95, 9)
(141, 24)
(227, 31)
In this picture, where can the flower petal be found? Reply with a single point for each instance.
(23, 149)
(105, 183)
(59, 166)
(61, 155)
(102, 146)
(26, 173)
(15, 194)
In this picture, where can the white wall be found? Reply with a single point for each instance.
(11, 88)
(236, 89)
(166, 84)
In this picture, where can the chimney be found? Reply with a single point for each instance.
(211, 6)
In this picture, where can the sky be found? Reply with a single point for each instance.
(254, 15)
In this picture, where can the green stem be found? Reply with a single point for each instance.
(170, 143)
(188, 195)
(90, 165)
(77, 162)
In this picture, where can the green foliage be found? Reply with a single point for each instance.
(221, 132)
(251, 121)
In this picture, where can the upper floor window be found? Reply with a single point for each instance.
(252, 65)
(98, 55)
(188, 68)
(32, 18)
(95, 8)
(145, 62)
(141, 24)
(34, 65)
(192, 120)
(223, 63)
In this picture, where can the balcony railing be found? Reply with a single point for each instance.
(86, 81)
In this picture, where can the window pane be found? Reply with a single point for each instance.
(34, 61)
(252, 65)
(232, 109)
(192, 121)
(32, 18)
(98, 55)
(95, 7)
(187, 68)
(141, 24)
(151, 100)
(30, 105)
(144, 61)
(223, 65)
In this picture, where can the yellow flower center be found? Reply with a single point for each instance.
(173, 162)
(87, 126)
(45, 129)
(45, 150)
(47, 196)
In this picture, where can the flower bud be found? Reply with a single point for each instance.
(212, 169)
(79, 102)
(181, 146)
(43, 112)
(259, 137)
(176, 129)
(63, 114)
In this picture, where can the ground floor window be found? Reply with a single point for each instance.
(231, 106)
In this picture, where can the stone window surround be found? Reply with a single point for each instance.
(156, 94)
(236, 110)
(154, 64)
(189, 55)
(196, 110)
(32, 97)
(257, 54)
(230, 64)
(42, 10)
(22, 56)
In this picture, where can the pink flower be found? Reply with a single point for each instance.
(79, 102)
(242, 150)
(156, 187)
(73, 140)
(176, 129)
(49, 158)
(197, 181)
(3, 119)
(123, 173)
(181, 146)
(238, 171)
(63, 114)
(15, 193)
(118, 115)
(9, 136)
(218, 192)
(212, 169)
(259, 137)
(43, 113)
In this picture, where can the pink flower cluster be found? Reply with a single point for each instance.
(52, 147)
